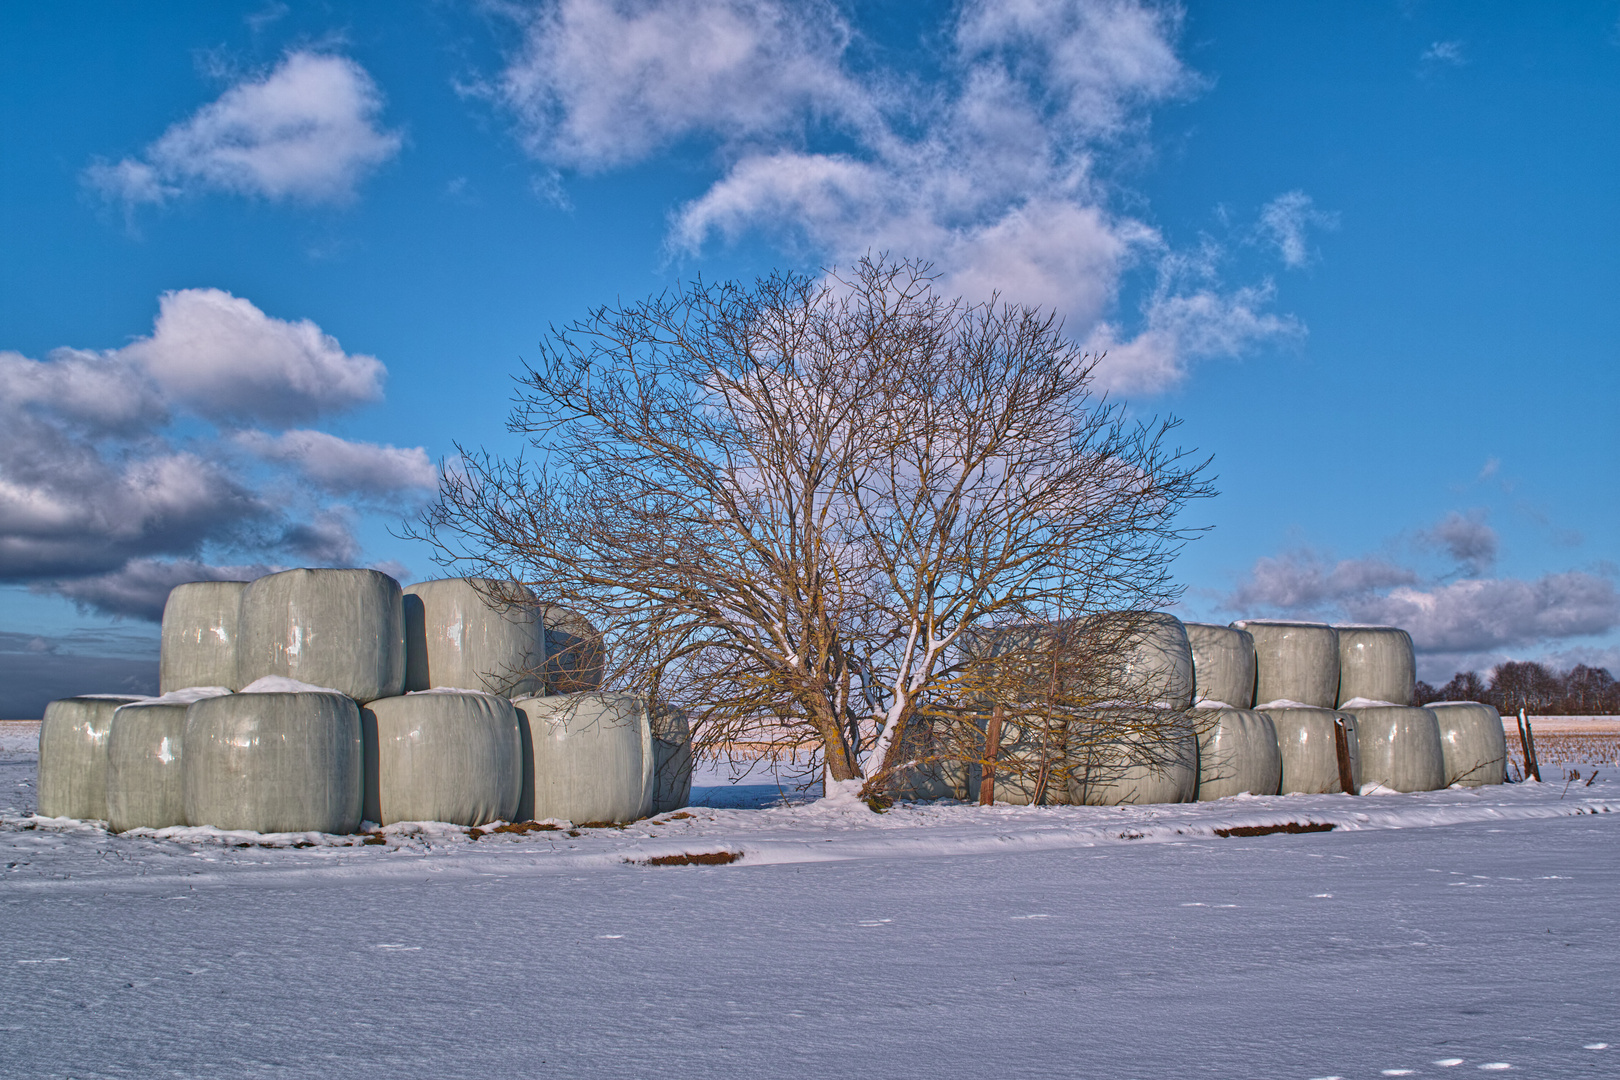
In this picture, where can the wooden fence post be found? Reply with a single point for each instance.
(992, 746)
(1341, 744)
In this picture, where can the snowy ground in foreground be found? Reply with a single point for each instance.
(1471, 927)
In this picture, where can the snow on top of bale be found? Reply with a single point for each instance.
(1288, 703)
(280, 684)
(1369, 703)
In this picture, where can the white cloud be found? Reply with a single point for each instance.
(1480, 614)
(1467, 539)
(1285, 223)
(603, 82)
(223, 357)
(139, 588)
(342, 467)
(307, 131)
(1444, 52)
(986, 173)
(1304, 583)
(103, 502)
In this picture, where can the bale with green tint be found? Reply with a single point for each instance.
(592, 756)
(72, 777)
(1223, 664)
(1294, 661)
(1472, 742)
(342, 629)
(1400, 748)
(1376, 663)
(457, 636)
(278, 762)
(1138, 768)
(200, 630)
(452, 757)
(1308, 745)
(1237, 754)
(672, 760)
(145, 766)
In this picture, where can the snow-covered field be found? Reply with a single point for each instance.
(1424, 935)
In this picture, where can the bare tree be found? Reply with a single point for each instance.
(790, 507)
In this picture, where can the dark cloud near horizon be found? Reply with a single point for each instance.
(36, 670)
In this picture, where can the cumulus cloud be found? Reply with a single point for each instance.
(603, 83)
(307, 131)
(224, 358)
(139, 588)
(987, 173)
(1305, 583)
(103, 502)
(1480, 614)
(1285, 223)
(341, 467)
(1472, 623)
(1470, 542)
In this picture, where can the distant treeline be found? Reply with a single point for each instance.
(1535, 688)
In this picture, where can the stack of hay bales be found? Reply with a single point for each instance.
(334, 695)
(1237, 746)
(1400, 745)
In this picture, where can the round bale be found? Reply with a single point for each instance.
(146, 766)
(72, 779)
(592, 756)
(275, 763)
(1152, 661)
(457, 636)
(672, 760)
(1308, 745)
(1472, 742)
(1294, 661)
(343, 629)
(573, 650)
(1137, 767)
(1376, 663)
(1223, 664)
(452, 757)
(200, 634)
(1237, 754)
(1400, 748)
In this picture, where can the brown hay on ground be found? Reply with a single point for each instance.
(707, 858)
(1267, 830)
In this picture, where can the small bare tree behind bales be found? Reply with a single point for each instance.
(797, 510)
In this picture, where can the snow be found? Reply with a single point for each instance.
(1284, 703)
(1210, 703)
(1368, 703)
(280, 684)
(187, 695)
(1451, 929)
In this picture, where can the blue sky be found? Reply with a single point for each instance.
(265, 264)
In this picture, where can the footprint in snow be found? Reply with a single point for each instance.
(1398, 1072)
(1447, 1063)
(1495, 1066)
(1595, 1046)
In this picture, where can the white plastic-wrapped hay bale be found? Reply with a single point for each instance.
(1223, 664)
(456, 636)
(274, 762)
(343, 629)
(574, 652)
(1237, 754)
(1400, 747)
(1472, 742)
(1294, 661)
(1139, 767)
(452, 757)
(672, 760)
(1308, 745)
(592, 756)
(1377, 663)
(72, 779)
(199, 635)
(1152, 659)
(145, 762)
